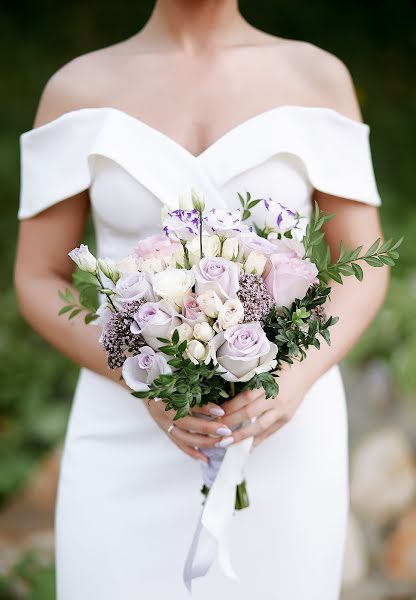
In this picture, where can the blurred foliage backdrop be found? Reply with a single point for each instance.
(377, 41)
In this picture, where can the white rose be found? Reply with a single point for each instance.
(127, 264)
(211, 246)
(203, 332)
(231, 313)
(185, 332)
(210, 303)
(230, 249)
(196, 351)
(83, 258)
(255, 263)
(151, 265)
(173, 284)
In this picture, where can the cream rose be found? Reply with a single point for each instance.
(255, 263)
(203, 332)
(210, 303)
(196, 351)
(230, 249)
(211, 246)
(173, 285)
(230, 313)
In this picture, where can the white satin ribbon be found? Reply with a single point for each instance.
(211, 537)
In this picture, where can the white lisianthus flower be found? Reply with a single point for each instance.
(196, 351)
(230, 249)
(107, 266)
(83, 258)
(210, 303)
(255, 263)
(203, 332)
(224, 222)
(151, 265)
(231, 313)
(211, 246)
(185, 332)
(173, 284)
(127, 264)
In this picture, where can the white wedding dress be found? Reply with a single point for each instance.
(128, 498)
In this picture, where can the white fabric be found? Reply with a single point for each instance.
(128, 499)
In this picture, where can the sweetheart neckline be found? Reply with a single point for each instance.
(210, 148)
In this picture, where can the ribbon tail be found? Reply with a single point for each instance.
(212, 534)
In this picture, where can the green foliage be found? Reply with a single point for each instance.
(191, 385)
(247, 204)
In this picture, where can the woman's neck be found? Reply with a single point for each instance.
(195, 26)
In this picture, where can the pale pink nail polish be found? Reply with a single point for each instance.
(225, 442)
(223, 431)
(216, 410)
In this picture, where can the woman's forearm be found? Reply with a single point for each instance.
(39, 304)
(356, 304)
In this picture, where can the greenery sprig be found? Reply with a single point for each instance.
(88, 288)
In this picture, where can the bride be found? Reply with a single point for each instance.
(198, 97)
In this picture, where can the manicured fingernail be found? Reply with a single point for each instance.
(216, 410)
(225, 442)
(223, 431)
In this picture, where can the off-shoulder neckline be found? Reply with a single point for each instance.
(250, 121)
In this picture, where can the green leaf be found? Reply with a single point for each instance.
(74, 313)
(175, 336)
(373, 261)
(372, 248)
(69, 295)
(90, 318)
(65, 309)
(252, 204)
(358, 272)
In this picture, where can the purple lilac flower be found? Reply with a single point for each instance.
(117, 337)
(255, 298)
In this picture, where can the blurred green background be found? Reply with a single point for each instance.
(377, 41)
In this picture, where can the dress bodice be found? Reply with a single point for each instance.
(132, 169)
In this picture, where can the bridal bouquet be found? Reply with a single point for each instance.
(208, 308)
(211, 307)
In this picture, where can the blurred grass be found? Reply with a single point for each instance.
(375, 39)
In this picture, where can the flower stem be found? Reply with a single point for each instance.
(232, 389)
(100, 281)
(200, 233)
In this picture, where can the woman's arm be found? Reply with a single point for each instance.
(43, 267)
(355, 303)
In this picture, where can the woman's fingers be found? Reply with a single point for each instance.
(257, 427)
(242, 399)
(254, 408)
(194, 439)
(210, 409)
(203, 426)
(191, 451)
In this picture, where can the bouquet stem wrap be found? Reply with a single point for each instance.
(222, 474)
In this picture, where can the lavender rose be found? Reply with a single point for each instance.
(141, 370)
(289, 278)
(217, 274)
(134, 286)
(242, 351)
(192, 313)
(153, 320)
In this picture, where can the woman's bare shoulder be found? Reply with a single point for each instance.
(80, 83)
(325, 77)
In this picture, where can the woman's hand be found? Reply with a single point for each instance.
(270, 414)
(191, 433)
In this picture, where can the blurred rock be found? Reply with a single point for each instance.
(400, 557)
(383, 475)
(355, 558)
(27, 522)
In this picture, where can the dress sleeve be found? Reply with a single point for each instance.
(54, 160)
(338, 158)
